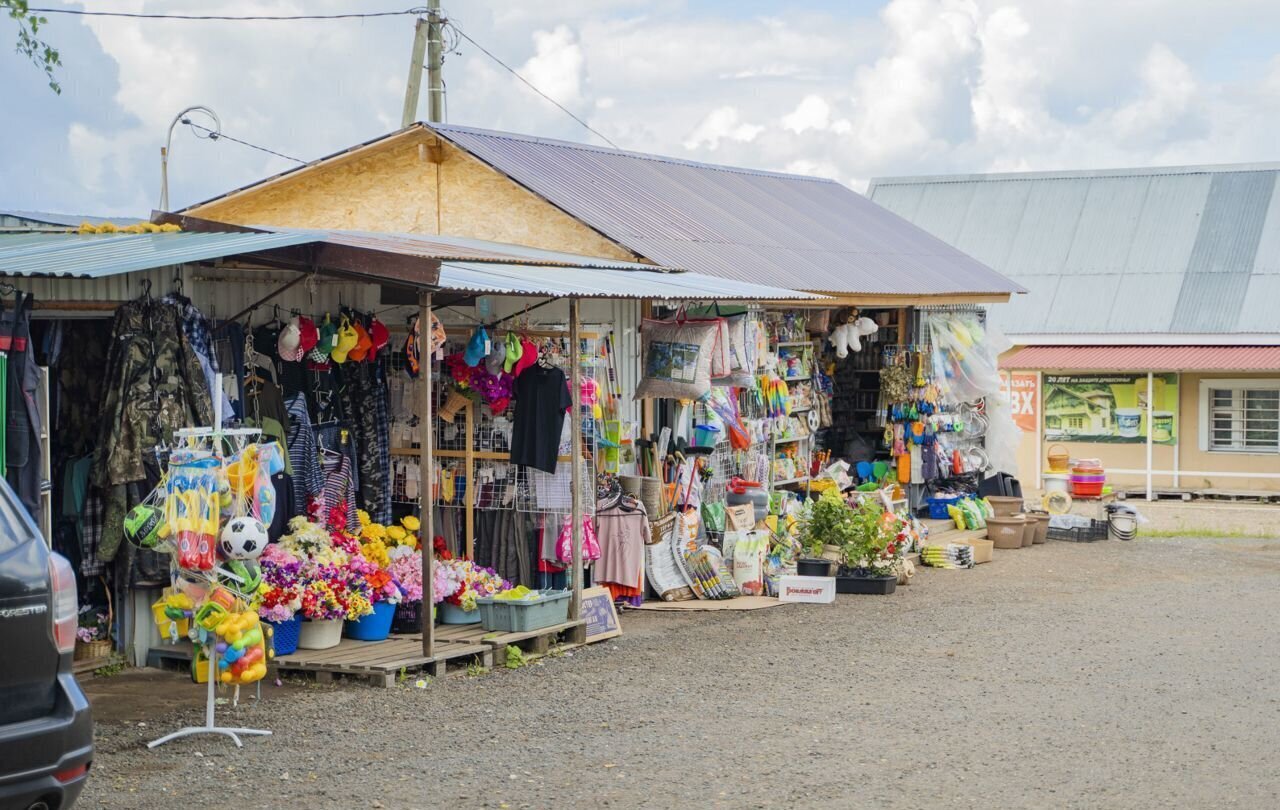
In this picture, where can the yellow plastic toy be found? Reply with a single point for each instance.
(172, 614)
(242, 652)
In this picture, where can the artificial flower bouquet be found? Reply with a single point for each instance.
(464, 582)
(280, 594)
(320, 574)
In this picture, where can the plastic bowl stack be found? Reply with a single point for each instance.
(1088, 478)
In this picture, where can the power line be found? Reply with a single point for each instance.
(214, 135)
(232, 17)
(530, 85)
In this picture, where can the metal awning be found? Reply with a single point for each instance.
(583, 282)
(401, 259)
(1145, 358)
(75, 255)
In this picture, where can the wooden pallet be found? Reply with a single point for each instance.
(1246, 496)
(378, 663)
(534, 643)
(1157, 493)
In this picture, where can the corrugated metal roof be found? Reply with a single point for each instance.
(739, 224)
(523, 279)
(71, 255)
(463, 249)
(1137, 251)
(62, 220)
(1145, 358)
(535, 272)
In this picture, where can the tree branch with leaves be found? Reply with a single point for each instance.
(30, 45)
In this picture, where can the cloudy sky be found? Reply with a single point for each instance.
(849, 90)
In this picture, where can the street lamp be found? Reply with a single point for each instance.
(183, 117)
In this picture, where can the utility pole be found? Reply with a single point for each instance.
(435, 63)
(427, 45)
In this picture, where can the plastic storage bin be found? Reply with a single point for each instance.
(938, 506)
(285, 635)
(511, 616)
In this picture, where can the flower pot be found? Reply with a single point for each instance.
(1006, 532)
(812, 567)
(452, 614)
(284, 635)
(320, 635)
(880, 586)
(1005, 505)
(374, 627)
(1029, 524)
(1042, 526)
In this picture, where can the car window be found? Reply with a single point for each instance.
(16, 526)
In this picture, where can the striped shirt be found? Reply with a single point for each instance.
(301, 443)
(338, 490)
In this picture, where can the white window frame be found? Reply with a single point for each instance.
(1206, 411)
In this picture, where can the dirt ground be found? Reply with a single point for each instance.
(1124, 675)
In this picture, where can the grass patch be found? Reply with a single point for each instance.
(1213, 534)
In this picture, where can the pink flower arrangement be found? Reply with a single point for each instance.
(406, 567)
(466, 582)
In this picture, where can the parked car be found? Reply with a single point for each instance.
(46, 731)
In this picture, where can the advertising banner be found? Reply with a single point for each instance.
(1021, 389)
(1109, 408)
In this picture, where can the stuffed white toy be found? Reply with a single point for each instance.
(848, 336)
(862, 327)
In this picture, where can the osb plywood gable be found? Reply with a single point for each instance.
(393, 187)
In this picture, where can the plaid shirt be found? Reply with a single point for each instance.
(91, 522)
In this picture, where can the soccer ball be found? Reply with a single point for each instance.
(243, 538)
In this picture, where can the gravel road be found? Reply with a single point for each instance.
(1110, 675)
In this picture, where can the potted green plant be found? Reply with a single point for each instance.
(867, 566)
(826, 523)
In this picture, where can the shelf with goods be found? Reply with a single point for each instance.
(797, 354)
(472, 445)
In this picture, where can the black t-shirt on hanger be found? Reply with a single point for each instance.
(541, 400)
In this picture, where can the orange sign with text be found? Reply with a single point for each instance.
(1022, 389)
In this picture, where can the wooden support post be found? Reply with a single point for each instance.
(575, 475)
(469, 469)
(426, 476)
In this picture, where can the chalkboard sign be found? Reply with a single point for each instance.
(601, 615)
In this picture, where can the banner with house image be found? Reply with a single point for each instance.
(1109, 408)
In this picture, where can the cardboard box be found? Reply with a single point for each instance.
(818, 590)
(981, 548)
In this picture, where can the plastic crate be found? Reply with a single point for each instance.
(938, 506)
(1096, 530)
(509, 616)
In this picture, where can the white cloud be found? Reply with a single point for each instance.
(925, 86)
(556, 68)
(722, 123)
(811, 113)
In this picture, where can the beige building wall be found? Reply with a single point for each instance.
(1197, 466)
(394, 186)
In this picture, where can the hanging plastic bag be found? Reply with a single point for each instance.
(964, 366)
(1003, 435)
(192, 505)
(677, 358)
(740, 354)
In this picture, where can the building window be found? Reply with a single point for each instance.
(1075, 422)
(1243, 416)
